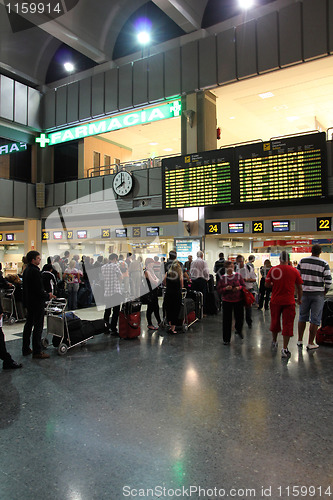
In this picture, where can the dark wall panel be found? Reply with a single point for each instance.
(32, 211)
(314, 28)
(59, 194)
(290, 34)
(73, 102)
(49, 195)
(226, 57)
(140, 183)
(83, 187)
(172, 82)
(21, 103)
(267, 39)
(71, 191)
(97, 95)
(207, 62)
(190, 67)
(20, 199)
(61, 106)
(246, 49)
(330, 25)
(125, 86)
(49, 109)
(85, 99)
(96, 186)
(6, 98)
(140, 82)
(34, 112)
(111, 91)
(156, 77)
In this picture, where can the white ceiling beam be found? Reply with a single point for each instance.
(182, 13)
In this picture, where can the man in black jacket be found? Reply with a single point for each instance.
(34, 297)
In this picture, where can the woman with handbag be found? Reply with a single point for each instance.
(152, 296)
(230, 287)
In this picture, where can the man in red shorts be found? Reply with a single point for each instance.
(283, 279)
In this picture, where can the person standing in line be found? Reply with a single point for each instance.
(152, 284)
(188, 263)
(72, 277)
(264, 293)
(174, 283)
(8, 362)
(250, 278)
(250, 261)
(219, 268)
(125, 276)
(112, 293)
(283, 278)
(199, 274)
(317, 279)
(230, 288)
(34, 297)
(135, 276)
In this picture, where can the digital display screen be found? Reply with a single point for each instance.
(290, 168)
(280, 225)
(324, 223)
(121, 233)
(152, 231)
(82, 234)
(10, 237)
(213, 228)
(45, 235)
(258, 226)
(198, 180)
(1, 237)
(57, 235)
(236, 227)
(105, 233)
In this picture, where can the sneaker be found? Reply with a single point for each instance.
(41, 355)
(274, 345)
(300, 344)
(285, 353)
(12, 365)
(310, 347)
(26, 352)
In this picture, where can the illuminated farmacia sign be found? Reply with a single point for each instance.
(168, 110)
(12, 147)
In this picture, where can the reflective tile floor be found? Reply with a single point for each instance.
(166, 416)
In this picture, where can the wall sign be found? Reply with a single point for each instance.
(1, 237)
(213, 228)
(82, 234)
(10, 237)
(324, 223)
(69, 235)
(280, 226)
(12, 147)
(257, 226)
(236, 227)
(105, 233)
(168, 110)
(45, 235)
(121, 233)
(152, 231)
(136, 232)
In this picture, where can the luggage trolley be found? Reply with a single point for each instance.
(191, 310)
(12, 310)
(57, 326)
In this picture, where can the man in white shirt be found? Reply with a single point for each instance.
(250, 278)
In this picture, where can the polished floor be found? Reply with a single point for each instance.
(162, 416)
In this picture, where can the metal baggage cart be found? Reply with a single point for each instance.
(184, 313)
(13, 310)
(57, 326)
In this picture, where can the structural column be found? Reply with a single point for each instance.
(32, 236)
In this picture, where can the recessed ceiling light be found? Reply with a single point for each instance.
(232, 117)
(292, 118)
(153, 143)
(246, 4)
(266, 95)
(69, 66)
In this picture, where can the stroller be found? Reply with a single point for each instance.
(13, 310)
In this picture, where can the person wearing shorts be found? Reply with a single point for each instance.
(317, 279)
(283, 279)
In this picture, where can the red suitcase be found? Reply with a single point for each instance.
(129, 320)
(325, 335)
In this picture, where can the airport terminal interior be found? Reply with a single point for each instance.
(147, 127)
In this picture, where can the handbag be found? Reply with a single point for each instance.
(146, 297)
(247, 297)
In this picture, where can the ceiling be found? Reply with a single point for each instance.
(302, 101)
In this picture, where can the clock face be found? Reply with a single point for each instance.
(122, 183)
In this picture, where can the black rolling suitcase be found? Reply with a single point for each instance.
(198, 301)
(213, 302)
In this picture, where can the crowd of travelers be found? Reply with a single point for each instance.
(121, 278)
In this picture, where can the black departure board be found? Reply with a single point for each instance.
(198, 180)
(284, 169)
(291, 168)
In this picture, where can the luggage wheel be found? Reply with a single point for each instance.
(11, 321)
(62, 349)
(185, 328)
(45, 342)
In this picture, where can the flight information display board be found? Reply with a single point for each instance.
(198, 180)
(291, 168)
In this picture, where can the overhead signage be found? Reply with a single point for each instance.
(322, 241)
(1, 237)
(105, 233)
(69, 235)
(280, 226)
(162, 112)
(57, 235)
(10, 237)
(324, 223)
(136, 232)
(152, 231)
(12, 147)
(213, 228)
(258, 226)
(236, 227)
(45, 235)
(82, 234)
(121, 233)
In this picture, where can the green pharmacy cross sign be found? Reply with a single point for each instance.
(168, 110)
